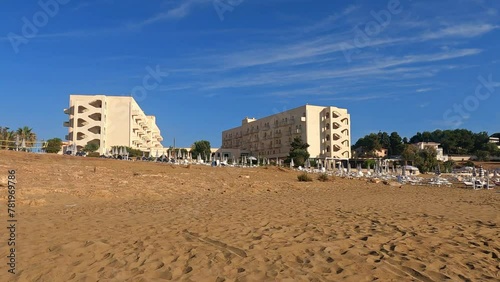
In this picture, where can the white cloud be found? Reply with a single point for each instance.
(178, 12)
(462, 31)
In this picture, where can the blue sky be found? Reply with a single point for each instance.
(403, 66)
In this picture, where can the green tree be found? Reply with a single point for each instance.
(449, 165)
(91, 148)
(427, 160)
(369, 144)
(483, 155)
(25, 133)
(201, 148)
(7, 137)
(410, 154)
(53, 146)
(396, 144)
(298, 152)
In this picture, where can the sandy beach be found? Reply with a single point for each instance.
(84, 219)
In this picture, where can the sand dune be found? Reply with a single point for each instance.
(83, 219)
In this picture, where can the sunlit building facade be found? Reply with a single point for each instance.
(109, 121)
(327, 130)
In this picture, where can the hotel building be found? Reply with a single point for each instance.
(327, 130)
(111, 121)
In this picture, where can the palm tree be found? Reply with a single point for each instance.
(28, 135)
(6, 137)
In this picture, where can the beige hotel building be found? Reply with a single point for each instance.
(111, 121)
(327, 130)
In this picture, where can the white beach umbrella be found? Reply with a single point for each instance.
(23, 144)
(292, 164)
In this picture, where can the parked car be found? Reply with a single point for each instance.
(81, 154)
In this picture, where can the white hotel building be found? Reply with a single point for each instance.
(327, 130)
(111, 121)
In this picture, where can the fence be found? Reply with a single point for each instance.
(13, 145)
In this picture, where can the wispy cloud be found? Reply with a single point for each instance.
(81, 5)
(422, 90)
(462, 31)
(180, 11)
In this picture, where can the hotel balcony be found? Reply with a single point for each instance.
(68, 111)
(67, 124)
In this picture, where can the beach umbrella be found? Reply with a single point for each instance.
(292, 163)
(23, 144)
(277, 162)
(348, 167)
(143, 154)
